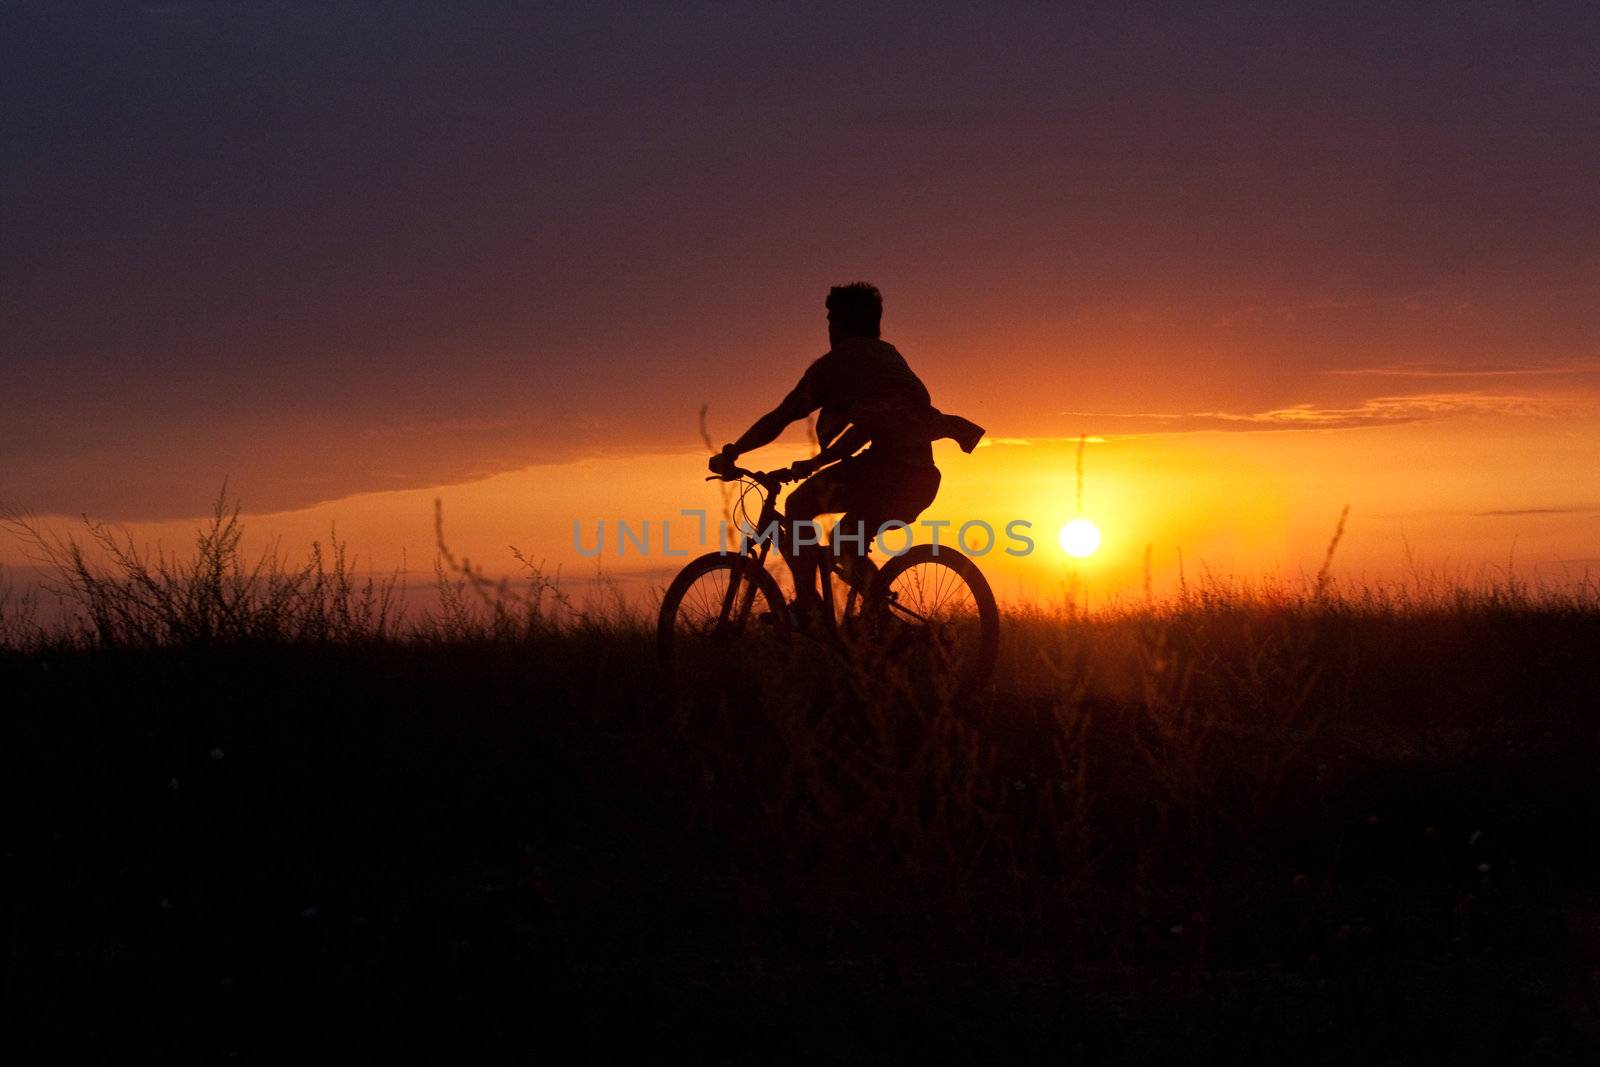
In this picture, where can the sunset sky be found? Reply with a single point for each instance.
(1272, 258)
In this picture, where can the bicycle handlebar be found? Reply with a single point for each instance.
(768, 480)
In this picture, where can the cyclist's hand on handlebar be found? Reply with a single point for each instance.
(798, 470)
(723, 462)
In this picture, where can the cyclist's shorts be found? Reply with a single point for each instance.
(873, 490)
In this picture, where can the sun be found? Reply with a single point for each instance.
(1080, 538)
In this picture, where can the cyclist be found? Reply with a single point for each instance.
(867, 396)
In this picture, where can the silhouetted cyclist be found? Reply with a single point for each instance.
(867, 395)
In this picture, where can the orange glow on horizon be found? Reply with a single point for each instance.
(1475, 494)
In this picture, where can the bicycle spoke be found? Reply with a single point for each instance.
(714, 609)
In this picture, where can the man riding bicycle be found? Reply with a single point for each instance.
(867, 395)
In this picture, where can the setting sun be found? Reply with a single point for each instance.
(1080, 538)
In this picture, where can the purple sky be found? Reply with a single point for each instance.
(328, 248)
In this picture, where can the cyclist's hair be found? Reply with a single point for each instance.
(857, 309)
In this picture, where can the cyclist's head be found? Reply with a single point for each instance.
(854, 310)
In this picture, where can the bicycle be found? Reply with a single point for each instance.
(928, 609)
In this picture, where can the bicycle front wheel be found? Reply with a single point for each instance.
(933, 612)
(716, 609)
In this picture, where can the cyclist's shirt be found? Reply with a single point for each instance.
(866, 382)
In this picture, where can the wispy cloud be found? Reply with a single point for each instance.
(1378, 411)
(1087, 439)
(1425, 369)
(1513, 512)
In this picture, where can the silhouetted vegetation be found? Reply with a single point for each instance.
(253, 801)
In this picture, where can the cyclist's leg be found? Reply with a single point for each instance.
(878, 494)
(823, 493)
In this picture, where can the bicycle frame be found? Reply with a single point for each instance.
(886, 612)
(758, 547)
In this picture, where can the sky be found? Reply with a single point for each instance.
(351, 257)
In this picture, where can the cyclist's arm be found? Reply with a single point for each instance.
(845, 445)
(764, 431)
(797, 405)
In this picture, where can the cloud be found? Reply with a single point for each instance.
(1023, 441)
(123, 474)
(1424, 369)
(1513, 512)
(1378, 411)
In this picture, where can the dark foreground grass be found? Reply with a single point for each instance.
(1313, 828)
(1283, 833)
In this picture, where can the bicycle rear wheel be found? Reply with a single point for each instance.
(717, 608)
(934, 613)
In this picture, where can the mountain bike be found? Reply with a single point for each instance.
(928, 610)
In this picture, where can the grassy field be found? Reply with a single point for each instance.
(251, 808)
